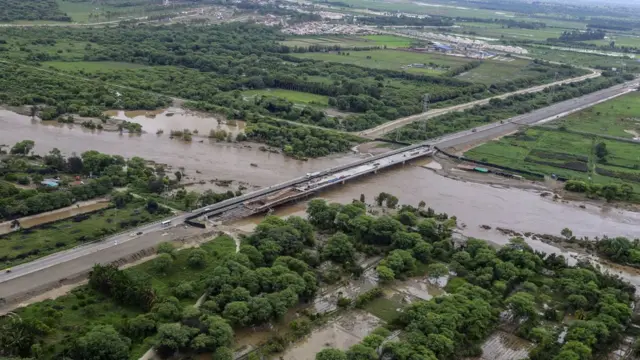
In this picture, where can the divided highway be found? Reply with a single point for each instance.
(38, 273)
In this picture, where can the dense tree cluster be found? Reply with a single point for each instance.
(214, 62)
(620, 250)
(577, 35)
(101, 173)
(11, 10)
(59, 95)
(610, 191)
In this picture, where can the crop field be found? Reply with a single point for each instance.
(92, 66)
(295, 97)
(565, 154)
(620, 40)
(391, 60)
(351, 41)
(618, 117)
(493, 71)
(26, 245)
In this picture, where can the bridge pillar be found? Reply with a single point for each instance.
(343, 182)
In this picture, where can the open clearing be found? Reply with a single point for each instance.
(391, 60)
(295, 97)
(565, 154)
(493, 71)
(351, 41)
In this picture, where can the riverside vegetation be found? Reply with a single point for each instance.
(211, 66)
(283, 263)
(88, 176)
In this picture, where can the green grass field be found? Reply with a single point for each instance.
(391, 60)
(295, 97)
(611, 118)
(562, 153)
(620, 40)
(91, 66)
(26, 245)
(389, 41)
(492, 71)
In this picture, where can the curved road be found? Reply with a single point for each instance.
(33, 276)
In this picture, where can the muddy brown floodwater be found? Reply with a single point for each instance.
(478, 204)
(212, 159)
(178, 119)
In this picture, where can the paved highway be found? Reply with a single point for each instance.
(380, 130)
(38, 273)
(553, 112)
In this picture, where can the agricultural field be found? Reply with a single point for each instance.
(389, 41)
(618, 117)
(565, 154)
(295, 97)
(26, 245)
(392, 60)
(497, 31)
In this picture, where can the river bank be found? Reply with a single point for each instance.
(207, 157)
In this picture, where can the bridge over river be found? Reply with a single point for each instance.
(30, 278)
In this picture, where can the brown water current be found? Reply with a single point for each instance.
(178, 119)
(213, 159)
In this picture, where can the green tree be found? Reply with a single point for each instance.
(172, 338)
(162, 264)
(361, 352)
(522, 304)
(339, 248)
(101, 343)
(166, 248)
(331, 354)
(23, 147)
(601, 150)
(237, 312)
(197, 259)
(385, 273)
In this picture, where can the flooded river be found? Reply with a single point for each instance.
(474, 204)
(214, 160)
(178, 119)
(478, 204)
